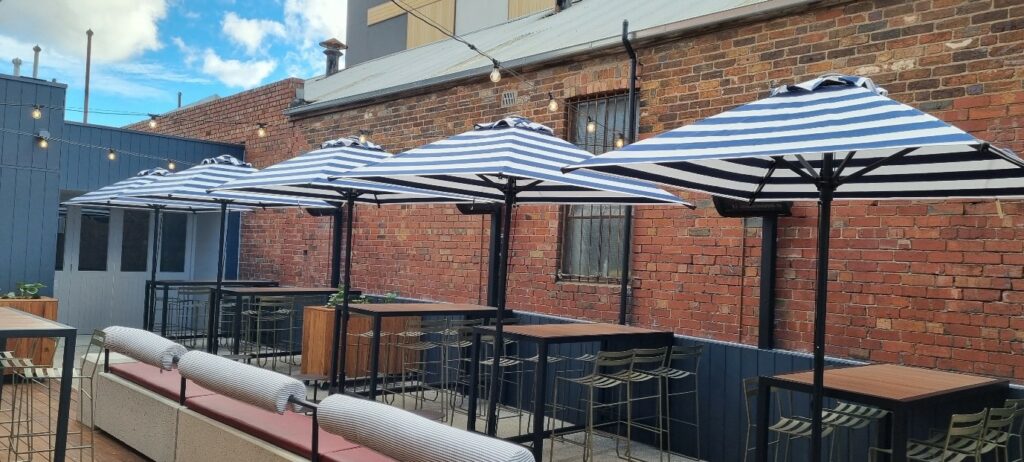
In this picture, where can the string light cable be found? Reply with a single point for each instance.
(110, 152)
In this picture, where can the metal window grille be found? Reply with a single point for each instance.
(592, 235)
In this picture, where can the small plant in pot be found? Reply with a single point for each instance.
(336, 298)
(25, 290)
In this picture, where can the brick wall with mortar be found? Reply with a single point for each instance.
(928, 283)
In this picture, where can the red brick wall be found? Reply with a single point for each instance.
(930, 283)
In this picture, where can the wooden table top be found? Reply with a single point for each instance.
(279, 290)
(210, 282)
(893, 382)
(413, 309)
(573, 331)
(12, 319)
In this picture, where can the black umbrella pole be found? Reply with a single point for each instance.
(147, 317)
(339, 347)
(211, 338)
(821, 303)
(336, 247)
(499, 337)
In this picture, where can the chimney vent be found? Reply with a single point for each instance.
(332, 48)
(17, 66)
(35, 62)
(562, 4)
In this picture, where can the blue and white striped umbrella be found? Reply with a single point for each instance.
(762, 151)
(512, 152)
(195, 184)
(309, 175)
(115, 195)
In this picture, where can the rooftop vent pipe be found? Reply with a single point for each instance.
(17, 66)
(35, 61)
(562, 4)
(332, 48)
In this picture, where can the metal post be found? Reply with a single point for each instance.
(147, 317)
(64, 403)
(336, 247)
(493, 259)
(499, 339)
(88, 68)
(339, 346)
(825, 189)
(769, 255)
(627, 230)
(211, 345)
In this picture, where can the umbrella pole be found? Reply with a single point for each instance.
(826, 188)
(147, 316)
(211, 338)
(339, 346)
(499, 339)
(336, 247)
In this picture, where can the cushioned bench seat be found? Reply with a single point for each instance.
(163, 383)
(290, 431)
(358, 454)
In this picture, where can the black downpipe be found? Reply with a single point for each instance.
(339, 345)
(338, 217)
(826, 188)
(627, 231)
(211, 337)
(499, 338)
(493, 259)
(769, 257)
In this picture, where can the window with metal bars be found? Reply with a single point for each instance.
(592, 235)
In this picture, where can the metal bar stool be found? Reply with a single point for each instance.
(787, 428)
(605, 365)
(262, 326)
(421, 356)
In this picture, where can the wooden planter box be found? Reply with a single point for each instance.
(317, 333)
(41, 351)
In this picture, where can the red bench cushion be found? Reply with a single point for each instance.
(290, 431)
(359, 454)
(163, 383)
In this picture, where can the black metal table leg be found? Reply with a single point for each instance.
(163, 315)
(474, 379)
(540, 379)
(899, 434)
(374, 356)
(145, 309)
(764, 402)
(342, 354)
(236, 326)
(64, 405)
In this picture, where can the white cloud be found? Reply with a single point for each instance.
(236, 73)
(250, 33)
(123, 28)
(309, 22)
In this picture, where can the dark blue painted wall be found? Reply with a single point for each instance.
(31, 178)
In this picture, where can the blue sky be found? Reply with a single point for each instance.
(145, 51)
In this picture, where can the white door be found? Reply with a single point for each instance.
(106, 262)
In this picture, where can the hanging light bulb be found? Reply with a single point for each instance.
(171, 165)
(152, 121)
(261, 131)
(362, 137)
(620, 141)
(43, 137)
(43, 143)
(495, 74)
(552, 104)
(591, 125)
(37, 112)
(111, 154)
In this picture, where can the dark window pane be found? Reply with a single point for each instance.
(592, 234)
(62, 220)
(92, 248)
(134, 240)
(172, 242)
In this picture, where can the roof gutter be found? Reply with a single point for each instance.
(760, 10)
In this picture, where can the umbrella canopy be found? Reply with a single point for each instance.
(768, 150)
(515, 161)
(309, 175)
(117, 195)
(831, 137)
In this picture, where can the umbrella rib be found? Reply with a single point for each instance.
(874, 165)
(795, 169)
(530, 186)
(807, 165)
(764, 181)
(842, 165)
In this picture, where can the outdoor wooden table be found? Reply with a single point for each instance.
(378, 311)
(165, 285)
(19, 324)
(252, 292)
(545, 335)
(897, 389)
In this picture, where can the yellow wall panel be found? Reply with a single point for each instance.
(520, 8)
(440, 12)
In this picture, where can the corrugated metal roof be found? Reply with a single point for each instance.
(588, 24)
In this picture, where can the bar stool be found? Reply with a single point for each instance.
(1017, 429)
(191, 305)
(642, 367)
(24, 433)
(420, 339)
(12, 364)
(681, 366)
(606, 365)
(786, 427)
(385, 353)
(261, 322)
